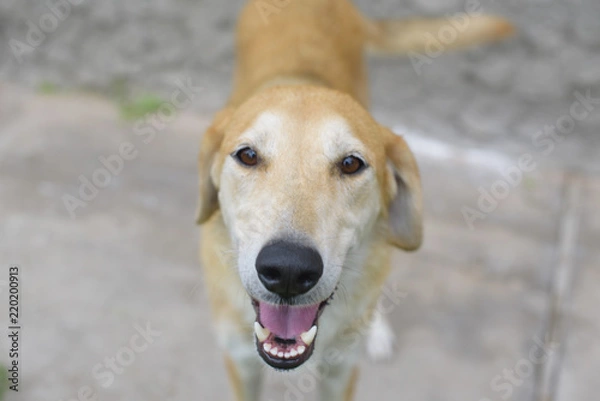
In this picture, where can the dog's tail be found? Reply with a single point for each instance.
(434, 35)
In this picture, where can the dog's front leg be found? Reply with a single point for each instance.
(338, 368)
(338, 382)
(245, 376)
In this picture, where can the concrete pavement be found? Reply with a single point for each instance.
(499, 306)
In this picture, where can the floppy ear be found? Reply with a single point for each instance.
(405, 198)
(208, 201)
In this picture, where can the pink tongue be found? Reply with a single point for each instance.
(286, 321)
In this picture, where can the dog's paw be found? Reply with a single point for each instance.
(381, 339)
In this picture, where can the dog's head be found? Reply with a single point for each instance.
(305, 179)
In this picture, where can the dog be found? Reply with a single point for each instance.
(303, 195)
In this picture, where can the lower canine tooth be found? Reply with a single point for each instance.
(309, 336)
(261, 333)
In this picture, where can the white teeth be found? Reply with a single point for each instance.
(309, 336)
(261, 333)
(286, 353)
(293, 353)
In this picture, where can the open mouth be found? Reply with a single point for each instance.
(286, 334)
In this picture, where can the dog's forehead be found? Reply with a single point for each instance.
(337, 137)
(263, 132)
(275, 131)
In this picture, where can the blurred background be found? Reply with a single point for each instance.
(98, 191)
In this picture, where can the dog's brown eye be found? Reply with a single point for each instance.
(351, 165)
(247, 156)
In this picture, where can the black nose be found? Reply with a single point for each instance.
(288, 269)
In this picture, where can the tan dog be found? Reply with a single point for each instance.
(303, 194)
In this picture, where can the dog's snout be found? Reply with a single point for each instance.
(289, 269)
